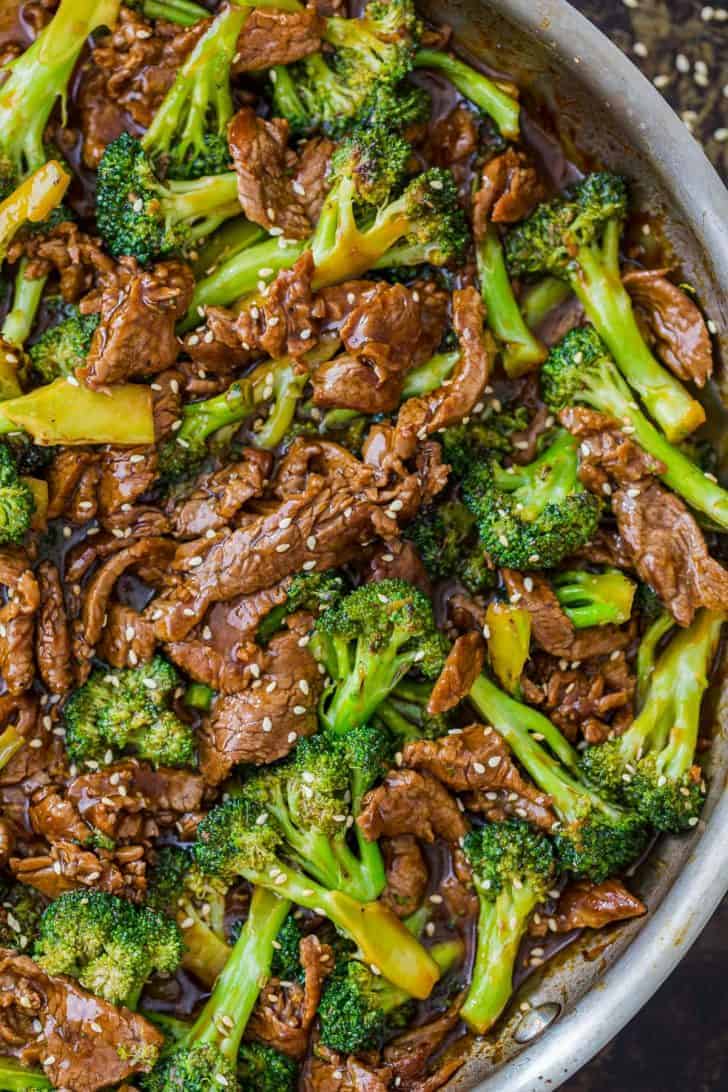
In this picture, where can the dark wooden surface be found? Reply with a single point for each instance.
(680, 1038)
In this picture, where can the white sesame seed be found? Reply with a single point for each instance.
(282, 547)
(267, 724)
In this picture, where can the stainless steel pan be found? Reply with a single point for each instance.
(602, 101)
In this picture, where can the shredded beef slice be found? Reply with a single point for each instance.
(592, 699)
(476, 760)
(17, 621)
(409, 802)
(398, 561)
(77, 258)
(66, 866)
(673, 323)
(217, 496)
(81, 1042)
(284, 1013)
(53, 639)
(606, 454)
(586, 905)
(510, 189)
(310, 175)
(463, 665)
(260, 154)
(284, 320)
(406, 875)
(277, 37)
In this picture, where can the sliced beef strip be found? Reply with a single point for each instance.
(127, 639)
(451, 139)
(285, 1012)
(458, 892)
(606, 454)
(263, 722)
(586, 905)
(327, 1071)
(73, 479)
(261, 157)
(17, 621)
(217, 496)
(592, 700)
(136, 335)
(398, 561)
(407, 874)
(477, 761)
(284, 320)
(551, 626)
(462, 667)
(673, 323)
(81, 1042)
(409, 802)
(216, 349)
(408, 1056)
(126, 473)
(510, 188)
(66, 866)
(78, 259)
(277, 37)
(310, 175)
(53, 638)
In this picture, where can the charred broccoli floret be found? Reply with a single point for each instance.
(141, 216)
(368, 642)
(262, 1068)
(478, 88)
(594, 599)
(63, 348)
(17, 503)
(117, 712)
(110, 945)
(652, 765)
(513, 868)
(533, 516)
(576, 237)
(447, 541)
(595, 837)
(310, 591)
(243, 837)
(579, 370)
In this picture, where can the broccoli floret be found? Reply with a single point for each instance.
(481, 437)
(368, 642)
(243, 837)
(139, 215)
(116, 712)
(262, 1068)
(479, 89)
(595, 837)
(63, 348)
(110, 945)
(17, 503)
(576, 237)
(533, 516)
(15, 1077)
(404, 714)
(21, 908)
(652, 765)
(580, 370)
(188, 134)
(513, 868)
(176, 887)
(447, 541)
(286, 963)
(314, 591)
(594, 599)
(358, 1008)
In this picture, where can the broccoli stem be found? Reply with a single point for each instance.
(62, 412)
(204, 203)
(182, 12)
(231, 239)
(597, 281)
(26, 301)
(10, 743)
(523, 351)
(509, 641)
(199, 696)
(33, 200)
(430, 375)
(14, 1077)
(365, 686)
(647, 653)
(501, 925)
(484, 92)
(201, 419)
(541, 298)
(236, 990)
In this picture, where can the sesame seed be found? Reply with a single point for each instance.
(311, 542)
(267, 724)
(299, 710)
(292, 737)
(194, 562)
(282, 547)
(682, 64)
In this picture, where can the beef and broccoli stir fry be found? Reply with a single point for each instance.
(360, 551)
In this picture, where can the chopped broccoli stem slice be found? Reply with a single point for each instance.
(580, 370)
(232, 238)
(32, 201)
(646, 653)
(594, 599)
(541, 298)
(184, 13)
(509, 643)
(21, 316)
(430, 375)
(15, 1077)
(63, 412)
(522, 351)
(479, 89)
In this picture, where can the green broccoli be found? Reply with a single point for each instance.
(286, 963)
(116, 712)
(182, 454)
(479, 89)
(68, 412)
(594, 837)
(447, 541)
(243, 837)
(17, 503)
(533, 516)
(309, 591)
(594, 599)
(110, 945)
(21, 908)
(657, 628)
(368, 642)
(141, 216)
(262, 1068)
(513, 868)
(63, 348)
(15, 1077)
(205, 1057)
(188, 134)
(430, 375)
(652, 765)
(482, 436)
(508, 627)
(184, 13)
(576, 237)
(580, 370)
(404, 714)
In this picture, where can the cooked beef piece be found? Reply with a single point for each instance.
(586, 905)
(477, 761)
(17, 621)
(129, 74)
(284, 319)
(310, 175)
(53, 639)
(330, 503)
(217, 496)
(673, 324)
(458, 892)
(66, 866)
(327, 1071)
(127, 638)
(606, 454)
(606, 548)
(466, 613)
(592, 700)
(463, 665)
(408, 1055)
(262, 722)
(73, 479)
(31, 766)
(552, 628)
(398, 561)
(216, 350)
(277, 37)
(285, 1012)
(451, 139)
(525, 441)
(262, 162)
(407, 874)
(510, 189)
(135, 336)
(126, 473)
(408, 802)
(81, 1042)
(77, 258)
